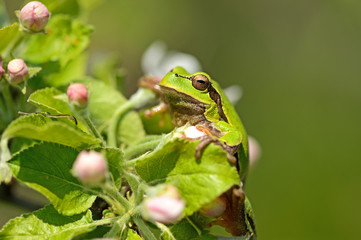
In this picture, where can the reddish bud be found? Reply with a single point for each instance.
(34, 16)
(90, 167)
(78, 94)
(18, 71)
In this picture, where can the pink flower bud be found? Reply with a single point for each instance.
(18, 71)
(215, 208)
(90, 167)
(254, 151)
(34, 16)
(77, 94)
(166, 207)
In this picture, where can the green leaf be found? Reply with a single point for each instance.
(47, 223)
(115, 161)
(46, 100)
(198, 180)
(65, 39)
(185, 230)
(97, 233)
(7, 35)
(18, 144)
(42, 128)
(132, 235)
(50, 100)
(33, 71)
(46, 168)
(70, 7)
(103, 102)
(74, 69)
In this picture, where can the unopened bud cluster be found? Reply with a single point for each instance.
(34, 16)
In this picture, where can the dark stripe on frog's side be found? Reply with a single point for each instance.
(217, 99)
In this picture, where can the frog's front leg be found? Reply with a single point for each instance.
(206, 140)
(224, 135)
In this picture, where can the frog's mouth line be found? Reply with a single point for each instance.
(179, 95)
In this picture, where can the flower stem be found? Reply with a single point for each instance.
(19, 39)
(8, 101)
(2, 108)
(119, 114)
(115, 194)
(138, 100)
(118, 225)
(82, 114)
(141, 148)
(118, 208)
(135, 185)
(144, 228)
(121, 222)
(93, 129)
(164, 228)
(105, 221)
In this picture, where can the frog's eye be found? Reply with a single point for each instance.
(200, 82)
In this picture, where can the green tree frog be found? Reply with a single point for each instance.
(198, 100)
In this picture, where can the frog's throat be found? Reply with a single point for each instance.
(183, 107)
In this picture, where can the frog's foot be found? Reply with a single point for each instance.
(206, 140)
(151, 83)
(162, 107)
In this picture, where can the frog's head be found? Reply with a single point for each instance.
(196, 85)
(193, 96)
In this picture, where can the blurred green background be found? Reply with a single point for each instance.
(299, 65)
